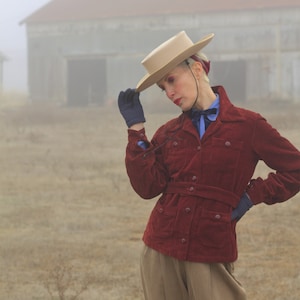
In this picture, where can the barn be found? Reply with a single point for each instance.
(83, 52)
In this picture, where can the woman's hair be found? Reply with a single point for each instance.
(202, 58)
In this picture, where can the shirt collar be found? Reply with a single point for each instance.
(215, 104)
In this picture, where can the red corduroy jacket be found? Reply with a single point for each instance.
(202, 181)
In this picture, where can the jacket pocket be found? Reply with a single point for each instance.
(221, 161)
(161, 221)
(177, 154)
(214, 229)
(224, 153)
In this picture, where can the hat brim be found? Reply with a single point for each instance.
(150, 79)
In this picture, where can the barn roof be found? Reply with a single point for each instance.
(76, 10)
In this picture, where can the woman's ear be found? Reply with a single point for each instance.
(197, 69)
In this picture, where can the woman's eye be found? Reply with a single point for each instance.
(171, 79)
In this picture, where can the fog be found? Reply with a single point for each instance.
(13, 46)
(13, 40)
(69, 220)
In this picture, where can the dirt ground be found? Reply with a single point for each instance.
(70, 224)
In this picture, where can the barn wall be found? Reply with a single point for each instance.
(266, 42)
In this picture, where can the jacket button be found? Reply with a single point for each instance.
(218, 216)
(161, 210)
(191, 188)
(187, 210)
(227, 144)
(194, 178)
(183, 240)
(198, 148)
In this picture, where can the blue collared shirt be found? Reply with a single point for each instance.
(212, 118)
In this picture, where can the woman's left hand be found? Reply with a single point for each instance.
(244, 205)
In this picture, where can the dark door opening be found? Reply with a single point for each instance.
(232, 75)
(86, 82)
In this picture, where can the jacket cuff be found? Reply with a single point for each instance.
(135, 138)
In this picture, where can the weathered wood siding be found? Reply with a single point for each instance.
(267, 42)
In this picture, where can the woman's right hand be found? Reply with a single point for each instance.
(131, 109)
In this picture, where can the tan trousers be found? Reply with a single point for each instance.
(166, 278)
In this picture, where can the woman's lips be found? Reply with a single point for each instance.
(177, 101)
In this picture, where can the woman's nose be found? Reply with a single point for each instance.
(169, 92)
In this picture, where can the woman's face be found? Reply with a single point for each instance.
(180, 86)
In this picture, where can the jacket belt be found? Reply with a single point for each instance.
(203, 191)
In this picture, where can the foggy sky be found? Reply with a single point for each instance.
(13, 40)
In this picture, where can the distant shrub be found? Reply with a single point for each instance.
(61, 280)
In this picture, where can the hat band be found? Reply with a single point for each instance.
(205, 64)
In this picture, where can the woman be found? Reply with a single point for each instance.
(201, 164)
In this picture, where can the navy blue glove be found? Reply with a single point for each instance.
(244, 205)
(130, 107)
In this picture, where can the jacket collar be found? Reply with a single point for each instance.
(228, 112)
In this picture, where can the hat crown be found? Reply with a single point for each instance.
(169, 55)
(166, 52)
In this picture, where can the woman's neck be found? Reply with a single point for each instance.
(205, 99)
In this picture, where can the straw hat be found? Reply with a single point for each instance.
(167, 56)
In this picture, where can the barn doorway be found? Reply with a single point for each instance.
(232, 75)
(86, 82)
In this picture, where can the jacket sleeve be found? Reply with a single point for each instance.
(282, 157)
(147, 174)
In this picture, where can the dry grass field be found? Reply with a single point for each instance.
(71, 226)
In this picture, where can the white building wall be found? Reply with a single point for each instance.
(267, 40)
